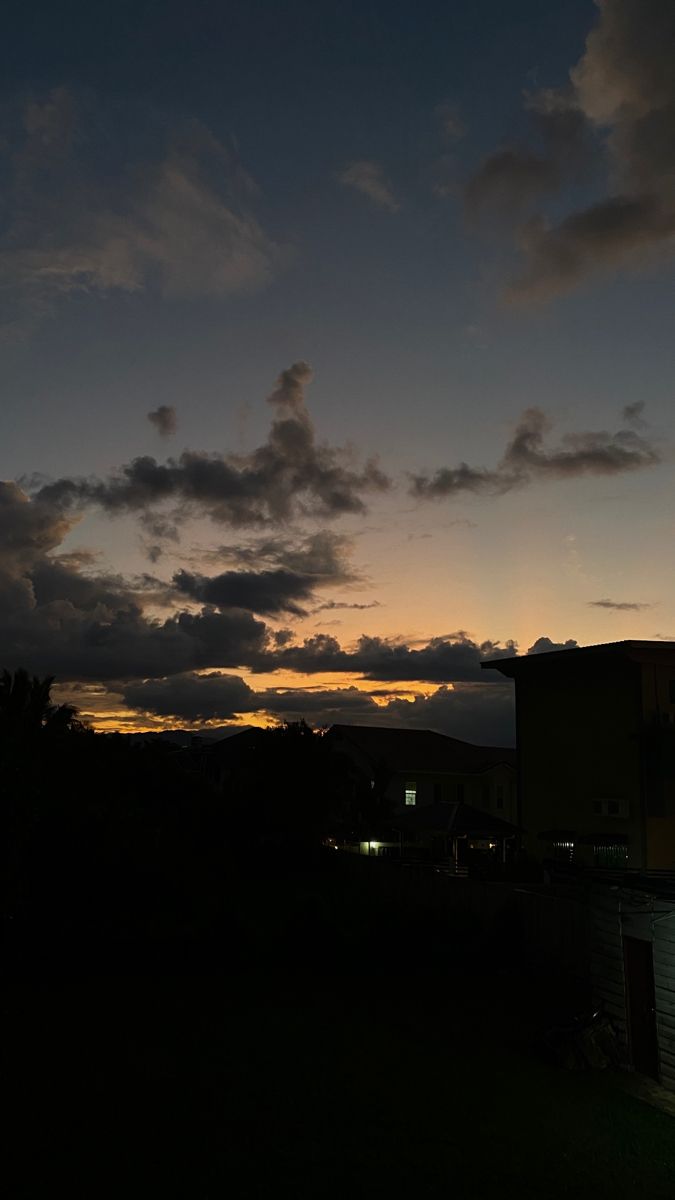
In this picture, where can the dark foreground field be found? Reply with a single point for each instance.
(268, 1086)
(345, 1055)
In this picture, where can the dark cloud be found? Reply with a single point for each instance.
(512, 180)
(282, 576)
(544, 645)
(527, 459)
(479, 712)
(57, 617)
(508, 181)
(289, 392)
(605, 235)
(442, 660)
(632, 414)
(619, 605)
(324, 556)
(164, 419)
(266, 592)
(291, 475)
(331, 605)
(622, 94)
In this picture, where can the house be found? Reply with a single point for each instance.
(410, 768)
(454, 836)
(596, 753)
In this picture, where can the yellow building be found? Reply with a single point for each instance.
(596, 753)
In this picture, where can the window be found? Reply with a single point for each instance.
(611, 808)
(563, 851)
(411, 793)
(500, 795)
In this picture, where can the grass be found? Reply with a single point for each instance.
(273, 1084)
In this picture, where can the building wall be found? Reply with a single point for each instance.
(493, 791)
(579, 749)
(617, 913)
(664, 980)
(607, 974)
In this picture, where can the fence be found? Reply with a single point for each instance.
(536, 924)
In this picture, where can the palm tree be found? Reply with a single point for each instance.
(26, 710)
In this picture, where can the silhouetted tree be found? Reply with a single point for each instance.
(27, 712)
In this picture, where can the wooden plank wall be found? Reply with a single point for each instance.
(664, 983)
(606, 953)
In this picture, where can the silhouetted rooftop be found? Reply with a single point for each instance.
(455, 818)
(421, 749)
(636, 651)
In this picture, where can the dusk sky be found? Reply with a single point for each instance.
(337, 352)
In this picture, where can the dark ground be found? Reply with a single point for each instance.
(339, 1049)
(274, 1085)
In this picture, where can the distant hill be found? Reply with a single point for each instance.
(185, 737)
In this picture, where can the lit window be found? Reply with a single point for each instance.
(411, 793)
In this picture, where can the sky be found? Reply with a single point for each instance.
(337, 352)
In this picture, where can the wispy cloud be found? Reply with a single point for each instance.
(181, 224)
(619, 605)
(527, 459)
(368, 178)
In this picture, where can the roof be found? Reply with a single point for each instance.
(453, 818)
(634, 651)
(236, 748)
(417, 750)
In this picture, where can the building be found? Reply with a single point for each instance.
(596, 753)
(633, 968)
(416, 768)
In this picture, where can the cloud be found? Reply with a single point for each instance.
(289, 392)
(509, 181)
(58, 617)
(324, 555)
(181, 223)
(512, 180)
(632, 414)
(331, 605)
(622, 94)
(290, 475)
(544, 645)
(526, 460)
(265, 592)
(451, 122)
(483, 713)
(453, 658)
(619, 605)
(367, 177)
(164, 419)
